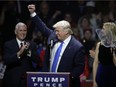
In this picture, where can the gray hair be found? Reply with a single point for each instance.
(19, 24)
(65, 24)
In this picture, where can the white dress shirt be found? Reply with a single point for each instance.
(19, 42)
(54, 49)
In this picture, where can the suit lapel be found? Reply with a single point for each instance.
(67, 52)
(15, 45)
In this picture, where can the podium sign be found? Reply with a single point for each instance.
(47, 79)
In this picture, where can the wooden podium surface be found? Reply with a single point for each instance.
(87, 83)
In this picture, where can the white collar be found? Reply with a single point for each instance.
(19, 41)
(67, 40)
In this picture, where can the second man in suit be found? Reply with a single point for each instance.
(18, 56)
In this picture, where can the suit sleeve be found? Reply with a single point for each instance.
(41, 26)
(79, 62)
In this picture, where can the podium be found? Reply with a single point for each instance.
(48, 79)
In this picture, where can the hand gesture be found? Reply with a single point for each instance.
(24, 47)
(31, 8)
(92, 53)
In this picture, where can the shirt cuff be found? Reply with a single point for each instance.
(33, 14)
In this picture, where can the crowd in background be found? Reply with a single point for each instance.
(85, 17)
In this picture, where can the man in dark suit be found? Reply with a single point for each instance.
(18, 57)
(72, 55)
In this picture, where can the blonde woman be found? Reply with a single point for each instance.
(104, 69)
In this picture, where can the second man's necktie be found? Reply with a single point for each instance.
(21, 44)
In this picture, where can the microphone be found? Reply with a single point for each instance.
(51, 43)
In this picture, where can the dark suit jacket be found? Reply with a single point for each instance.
(73, 58)
(16, 68)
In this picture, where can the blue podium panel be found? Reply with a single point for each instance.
(48, 79)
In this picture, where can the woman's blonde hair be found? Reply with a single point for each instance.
(110, 26)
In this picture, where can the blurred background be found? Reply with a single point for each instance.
(85, 16)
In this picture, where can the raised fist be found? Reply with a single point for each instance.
(31, 8)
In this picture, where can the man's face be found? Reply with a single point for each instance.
(21, 32)
(61, 33)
